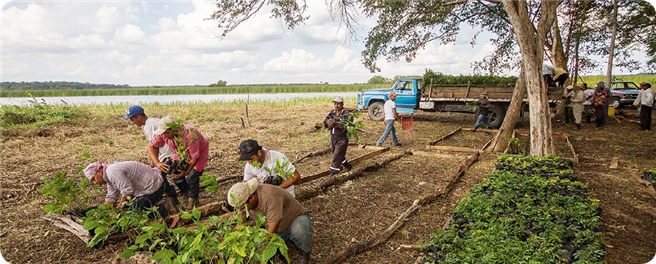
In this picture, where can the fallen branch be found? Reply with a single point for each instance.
(353, 161)
(412, 247)
(313, 154)
(481, 130)
(70, 224)
(445, 136)
(493, 139)
(352, 250)
(450, 148)
(435, 155)
(571, 147)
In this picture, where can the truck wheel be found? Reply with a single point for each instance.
(376, 111)
(495, 115)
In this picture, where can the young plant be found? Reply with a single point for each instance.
(106, 220)
(66, 192)
(209, 182)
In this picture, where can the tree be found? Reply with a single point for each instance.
(220, 83)
(406, 26)
(377, 79)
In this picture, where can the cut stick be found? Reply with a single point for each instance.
(615, 163)
(69, 224)
(493, 139)
(377, 151)
(445, 136)
(481, 130)
(313, 154)
(349, 251)
(435, 155)
(571, 147)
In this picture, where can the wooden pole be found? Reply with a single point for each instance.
(450, 148)
(445, 136)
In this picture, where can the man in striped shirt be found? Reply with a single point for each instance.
(125, 179)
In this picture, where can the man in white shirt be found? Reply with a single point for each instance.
(271, 167)
(646, 104)
(389, 109)
(137, 117)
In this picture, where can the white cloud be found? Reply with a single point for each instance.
(116, 56)
(130, 34)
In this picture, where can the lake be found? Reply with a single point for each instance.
(167, 99)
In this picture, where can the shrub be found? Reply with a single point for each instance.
(39, 115)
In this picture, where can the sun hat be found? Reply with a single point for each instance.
(239, 192)
(133, 111)
(570, 87)
(248, 148)
(163, 124)
(484, 94)
(92, 168)
(338, 99)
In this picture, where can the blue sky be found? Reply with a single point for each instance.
(170, 43)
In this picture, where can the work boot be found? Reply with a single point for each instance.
(192, 203)
(347, 166)
(303, 258)
(169, 206)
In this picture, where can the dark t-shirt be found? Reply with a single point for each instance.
(483, 110)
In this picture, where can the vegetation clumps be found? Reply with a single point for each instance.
(39, 115)
(438, 78)
(528, 210)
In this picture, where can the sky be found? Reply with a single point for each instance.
(143, 43)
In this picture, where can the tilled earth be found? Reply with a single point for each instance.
(343, 215)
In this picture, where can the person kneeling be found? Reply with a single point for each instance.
(285, 216)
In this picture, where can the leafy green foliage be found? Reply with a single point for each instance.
(214, 241)
(377, 79)
(209, 182)
(220, 83)
(39, 115)
(281, 168)
(105, 220)
(437, 79)
(539, 216)
(66, 192)
(181, 144)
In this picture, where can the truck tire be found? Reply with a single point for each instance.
(376, 111)
(495, 115)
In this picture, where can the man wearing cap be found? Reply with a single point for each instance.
(483, 105)
(130, 178)
(609, 100)
(646, 104)
(285, 216)
(336, 121)
(389, 110)
(576, 100)
(261, 164)
(181, 138)
(137, 117)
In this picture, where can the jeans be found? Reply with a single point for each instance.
(338, 146)
(482, 120)
(189, 184)
(605, 119)
(389, 128)
(645, 117)
(147, 201)
(299, 233)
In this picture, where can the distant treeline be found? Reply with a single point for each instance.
(311, 88)
(50, 85)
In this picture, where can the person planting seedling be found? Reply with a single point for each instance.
(271, 167)
(191, 148)
(130, 178)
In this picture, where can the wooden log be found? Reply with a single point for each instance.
(312, 154)
(70, 224)
(445, 136)
(412, 247)
(615, 163)
(377, 151)
(435, 155)
(482, 130)
(352, 250)
(525, 133)
(450, 148)
(492, 139)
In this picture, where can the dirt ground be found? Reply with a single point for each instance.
(341, 216)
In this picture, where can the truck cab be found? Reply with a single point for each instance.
(407, 99)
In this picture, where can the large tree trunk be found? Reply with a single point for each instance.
(611, 52)
(531, 44)
(512, 115)
(558, 53)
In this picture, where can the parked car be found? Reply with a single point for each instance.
(624, 93)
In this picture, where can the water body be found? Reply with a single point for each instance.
(167, 99)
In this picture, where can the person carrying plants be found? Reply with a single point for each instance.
(137, 117)
(269, 166)
(191, 150)
(130, 179)
(285, 216)
(483, 105)
(337, 121)
(600, 101)
(389, 110)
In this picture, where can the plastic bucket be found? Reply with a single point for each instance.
(611, 111)
(406, 123)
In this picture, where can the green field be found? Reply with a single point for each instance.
(311, 88)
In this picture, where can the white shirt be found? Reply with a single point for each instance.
(261, 173)
(647, 98)
(589, 95)
(546, 69)
(149, 129)
(389, 112)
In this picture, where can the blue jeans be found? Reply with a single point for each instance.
(482, 120)
(299, 233)
(389, 128)
(605, 119)
(147, 201)
(190, 184)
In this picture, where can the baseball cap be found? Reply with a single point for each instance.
(239, 192)
(132, 111)
(248, 148)
(163, 124)
(338, 99)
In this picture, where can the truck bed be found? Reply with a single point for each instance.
(472, 93)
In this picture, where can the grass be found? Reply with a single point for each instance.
(313, 88)
(38, 115)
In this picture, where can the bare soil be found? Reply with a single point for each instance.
(342, 215)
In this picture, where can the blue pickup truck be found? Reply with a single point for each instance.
(412, 95)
